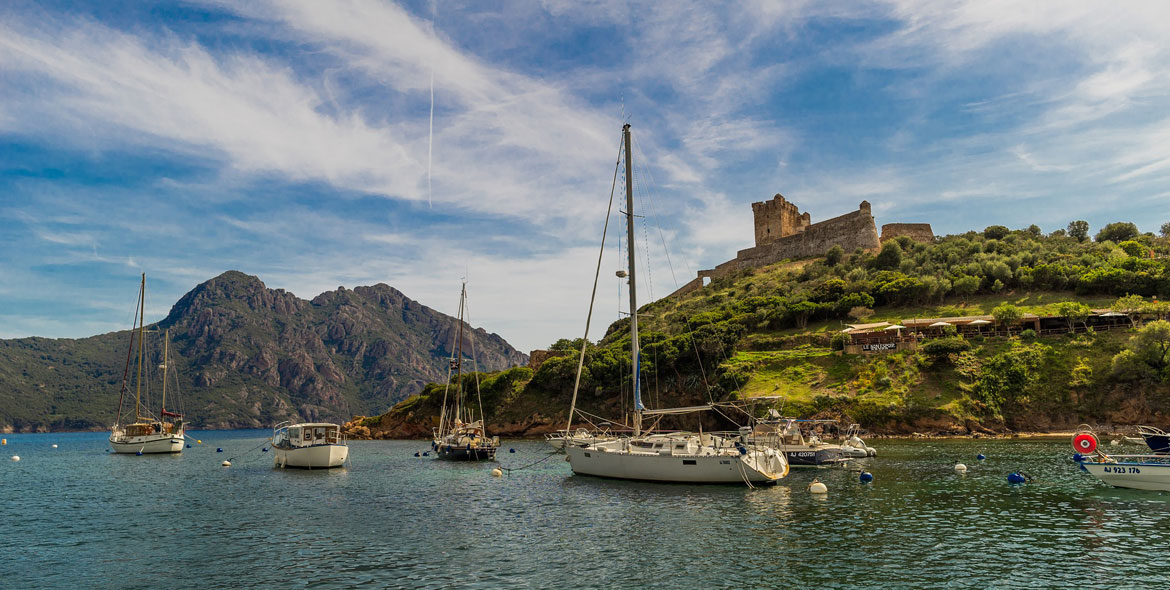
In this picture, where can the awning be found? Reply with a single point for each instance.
(868, 326)
(978, 323)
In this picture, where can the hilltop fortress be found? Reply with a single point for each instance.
(782, 232)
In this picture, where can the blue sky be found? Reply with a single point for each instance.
(292, 140)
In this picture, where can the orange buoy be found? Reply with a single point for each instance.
(1085, 443)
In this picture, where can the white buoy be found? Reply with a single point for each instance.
(226, 463)
(960, 468)
(817, 487)
(1115, 442)
(496, 472)
(54, 446)
(16, 457)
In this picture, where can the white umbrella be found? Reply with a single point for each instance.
(1112, 314)
(939, 324)
(847, 329)
(978, 323)
(893, 328)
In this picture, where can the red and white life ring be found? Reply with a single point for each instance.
(1085, 443)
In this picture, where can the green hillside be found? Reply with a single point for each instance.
(770, 331)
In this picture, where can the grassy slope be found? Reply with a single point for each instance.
(894, 392)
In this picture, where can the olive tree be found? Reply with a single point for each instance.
(1006, 315)
(1073, 312)
(1130, 305)
(1079, 229)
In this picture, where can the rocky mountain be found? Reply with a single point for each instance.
(249, 356)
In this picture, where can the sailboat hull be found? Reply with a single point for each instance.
(457, 453)
(148, 444)
(724, 468)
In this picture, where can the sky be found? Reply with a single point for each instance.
(418, 144)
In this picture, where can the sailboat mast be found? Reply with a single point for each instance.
(459, 358)
(166, 351)
(141, 343)
(634, 349)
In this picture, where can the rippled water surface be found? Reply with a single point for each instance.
(79, 517)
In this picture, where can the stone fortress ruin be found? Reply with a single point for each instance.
(783, 233)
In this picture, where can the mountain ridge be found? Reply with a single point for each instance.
(249, 356)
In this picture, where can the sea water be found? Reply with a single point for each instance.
(79, 516)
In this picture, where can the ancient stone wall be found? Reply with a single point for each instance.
(919, 232)
(777, 218)
(850, 231)
(782, 233)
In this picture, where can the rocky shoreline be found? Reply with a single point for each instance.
(537, 426)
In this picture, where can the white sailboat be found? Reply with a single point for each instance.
(460, 437)
(680, 457)
(148, 434)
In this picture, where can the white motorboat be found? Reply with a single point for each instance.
(310, 445)
(148, 434)
(1139, 472)
(664, 457)
(800, 451)
(853, 447)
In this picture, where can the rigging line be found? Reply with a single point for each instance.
(666, 249)
(658, 219)
(446, 388)
(126, 369)
(474, 363)
(593, 296)
(431, 126)
(645, 240)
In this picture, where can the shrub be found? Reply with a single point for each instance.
(995, 232)
(1007, 380)
(890, 257)
(1117, 232)
(1133, 248)
(942, 348)
(1028, 335)
(834, 255)
(837, 342)
(1127, 366)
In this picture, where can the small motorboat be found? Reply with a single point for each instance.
(785, 435)
(852, 447)
(1157, 439)
(1139, 472)
(310, 445)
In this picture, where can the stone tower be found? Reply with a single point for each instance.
(777, 218)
